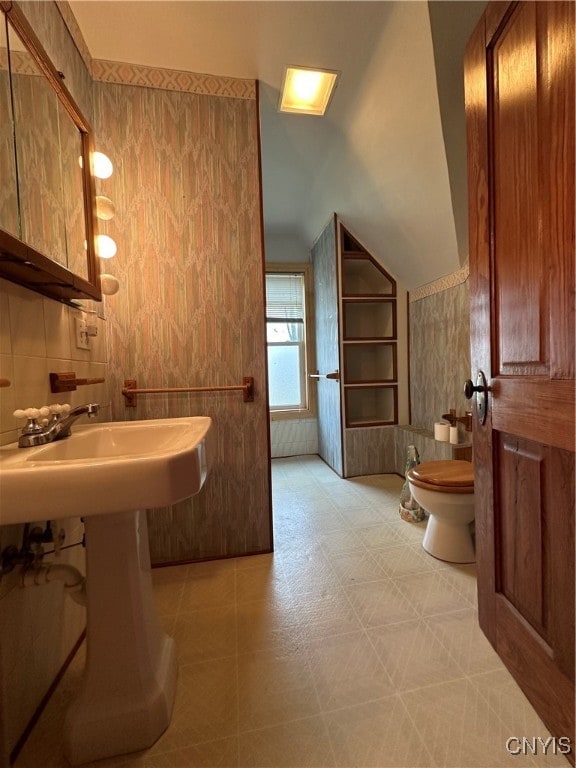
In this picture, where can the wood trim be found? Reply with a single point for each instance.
(21, 264)
(263, 272)
(559, 183)
(24, 29)
(408, 342)
(497, 12)
(361, 252)
(476, 101)
(90, 219)
(306, 269)
(340, 326)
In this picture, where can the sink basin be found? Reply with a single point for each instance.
(104, 468)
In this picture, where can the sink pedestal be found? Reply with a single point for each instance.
(129, 684)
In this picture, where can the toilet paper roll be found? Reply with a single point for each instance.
(454, 435)
(442, 431)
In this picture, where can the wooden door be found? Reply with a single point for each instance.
(520, 123)
(324, 261)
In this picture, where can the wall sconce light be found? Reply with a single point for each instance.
(105, 247)
(102, 166)
(307, 91)
(109, 284)
(105, 208)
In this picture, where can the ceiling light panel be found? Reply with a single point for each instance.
(307, 91)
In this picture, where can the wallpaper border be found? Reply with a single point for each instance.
(172, 79)
(442, 284)
(124, 73)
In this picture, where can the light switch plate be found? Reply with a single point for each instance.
(82, 338)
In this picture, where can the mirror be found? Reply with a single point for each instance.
(8, 193)
(47, 215)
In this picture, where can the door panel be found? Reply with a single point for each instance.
(327, 346)
(520, 123)
(519, 565)
(520, 299)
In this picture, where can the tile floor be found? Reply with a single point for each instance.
(350, 646)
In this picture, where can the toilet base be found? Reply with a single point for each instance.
(448, 541)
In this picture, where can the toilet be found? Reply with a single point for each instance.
(445, 489)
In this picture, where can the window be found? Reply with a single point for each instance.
(286, 334)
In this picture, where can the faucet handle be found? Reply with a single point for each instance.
(32, 414)
(59, 411)
(43, 415)
(55, 413)
(27, 413)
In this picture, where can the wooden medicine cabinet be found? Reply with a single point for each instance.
(47, 201)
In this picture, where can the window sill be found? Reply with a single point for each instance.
(292, 413)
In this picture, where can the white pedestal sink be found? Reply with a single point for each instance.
(129, 683)
(109, 473)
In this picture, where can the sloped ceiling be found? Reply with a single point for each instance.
(378, 158)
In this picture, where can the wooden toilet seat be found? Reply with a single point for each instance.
(449, 476)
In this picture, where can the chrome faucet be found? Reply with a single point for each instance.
(57, 428)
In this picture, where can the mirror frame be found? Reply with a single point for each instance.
(20, 262)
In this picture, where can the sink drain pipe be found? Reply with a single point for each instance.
(74, 582)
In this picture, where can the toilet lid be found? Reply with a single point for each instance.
(444, 474)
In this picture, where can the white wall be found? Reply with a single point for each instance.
(285, 248)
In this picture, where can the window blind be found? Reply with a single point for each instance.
(284, 297)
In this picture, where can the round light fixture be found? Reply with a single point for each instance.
(101, 165)
(109, 284)
(105, 208)
(105, 247)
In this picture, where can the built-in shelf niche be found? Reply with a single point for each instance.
(368, 337)
(365, 319)
(362, 276)
(371, 405)
(370, 362)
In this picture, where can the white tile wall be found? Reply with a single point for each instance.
(37, 336)
(38, 626)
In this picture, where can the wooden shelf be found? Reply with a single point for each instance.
(371, 405)
(365, 319)
(21, 264)
(369, 362)
(369, 334)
